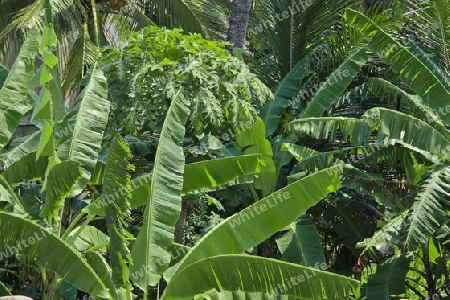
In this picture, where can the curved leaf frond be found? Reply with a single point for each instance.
(427, 213)
(59, 184)
(394, 125)
(432, 21)
(389, 279)
(80, 132)
(257, 274)
(210, 18)
(210, 174)
(203, 176)
(248, 227)
(19, 235)
(336, 84)
(414, 132)
(116, 178)
(414, 72)
(14, 100)
(355, 131)
(164, 200)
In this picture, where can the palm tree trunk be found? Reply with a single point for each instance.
(238, 23)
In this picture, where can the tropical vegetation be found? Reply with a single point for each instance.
(225, 149)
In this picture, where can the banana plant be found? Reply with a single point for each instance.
(219, 253)
(164, 200)
(47, 250)
(14, 98)
(406, 113)
(61, 160)
(146, 267)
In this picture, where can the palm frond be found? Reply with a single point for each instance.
(430, 21)
(291, 38)
(410, 69)
(336, 84)
(209, 18)
(423, 219)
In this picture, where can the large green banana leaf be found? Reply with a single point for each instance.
(418, 108)
(301, 244)
(7, 194)
(257, 274)
(27, 146)
(58, 185)
(80, 132)
(14, 99)
(389, 280)
(20, 162)
(117, 177)
(200, 176)
(276, 211)
(353, 130)
(253, 141)
(411, 131)
(413, 71)
(336, 84)
(35, 242)
(164, 200)
(27, 168)
(205, 175)
(429, 60)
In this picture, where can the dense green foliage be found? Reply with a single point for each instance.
(333, 186)
(146, 74)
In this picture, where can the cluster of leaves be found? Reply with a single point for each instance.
(395, 94)
(155, 63)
